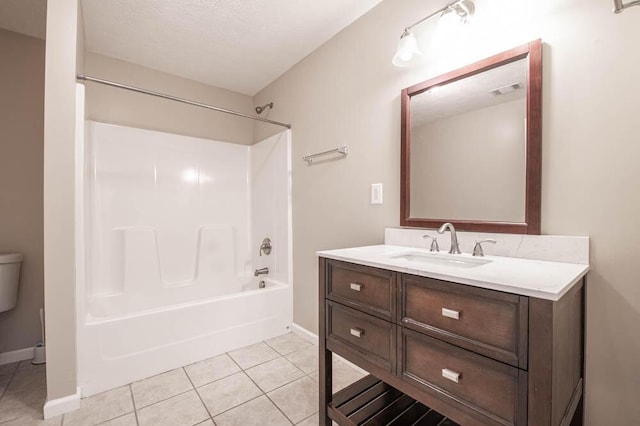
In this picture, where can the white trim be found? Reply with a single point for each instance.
(15, 356)
(56, 407)
(304, 333)
(313, 338)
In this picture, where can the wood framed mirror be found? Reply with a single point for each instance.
(472, 146)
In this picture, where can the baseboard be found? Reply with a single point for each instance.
(304, 333)
(313, 338)
(15, 356)
(56, 407)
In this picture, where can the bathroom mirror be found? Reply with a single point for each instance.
(471, 146)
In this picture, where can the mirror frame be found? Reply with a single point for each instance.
(533, 53)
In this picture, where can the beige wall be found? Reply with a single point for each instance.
(59, 197)
(471, 165)
(21, 145)
(348, 92)
(116, 106)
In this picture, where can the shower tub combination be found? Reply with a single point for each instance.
(169, 232)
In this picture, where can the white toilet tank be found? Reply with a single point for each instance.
(9, 278)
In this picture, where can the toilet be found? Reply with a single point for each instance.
(9, 278)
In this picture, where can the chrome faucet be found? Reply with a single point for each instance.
(261, 271)
(454, 238)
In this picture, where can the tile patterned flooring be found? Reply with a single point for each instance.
(271, 383)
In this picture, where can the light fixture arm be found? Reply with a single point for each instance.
(412, 26)
(459, 3)
(619, 6)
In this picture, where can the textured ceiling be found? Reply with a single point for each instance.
(24, 16)
(240, 45)
(469, 94)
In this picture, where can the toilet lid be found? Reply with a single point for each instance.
(10, 257)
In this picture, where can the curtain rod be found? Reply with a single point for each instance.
(177, 99)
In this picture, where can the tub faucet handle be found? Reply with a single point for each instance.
(265, 247)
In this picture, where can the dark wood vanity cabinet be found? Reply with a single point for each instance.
(445, 353)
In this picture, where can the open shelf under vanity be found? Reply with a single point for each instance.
(372, 402)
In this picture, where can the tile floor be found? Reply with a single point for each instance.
(271, 383)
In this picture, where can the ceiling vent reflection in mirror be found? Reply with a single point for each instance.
(505, 89)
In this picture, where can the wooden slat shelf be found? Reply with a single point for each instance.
(372, 402)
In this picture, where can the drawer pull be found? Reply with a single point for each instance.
(357, 332)
(450, 313)
(355, 286)
(450, 375)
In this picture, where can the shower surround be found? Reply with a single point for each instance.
(170, 228)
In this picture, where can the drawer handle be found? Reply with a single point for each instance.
(450, 313)
(355, 286)
(357, 332)
(450, 375)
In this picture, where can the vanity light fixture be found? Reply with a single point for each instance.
(408, 52)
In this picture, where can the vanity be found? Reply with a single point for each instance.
(498, 346)
(448, 334)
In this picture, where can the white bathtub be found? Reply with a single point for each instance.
(167, 229)
(114, 351)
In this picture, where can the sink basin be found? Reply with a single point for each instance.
(453, 260)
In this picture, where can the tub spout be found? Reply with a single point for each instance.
(261, 271)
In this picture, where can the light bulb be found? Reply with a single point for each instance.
(408, 52)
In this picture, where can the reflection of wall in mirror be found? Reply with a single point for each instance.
(471, 166)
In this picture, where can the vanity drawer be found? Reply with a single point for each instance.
(495, 390)
(369, 337)
(488, 322)
(367, 289)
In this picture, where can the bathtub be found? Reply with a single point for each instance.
(167, 235)
(117, 349)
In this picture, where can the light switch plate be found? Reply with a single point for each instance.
(376, 193)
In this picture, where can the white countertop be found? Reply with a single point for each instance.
(536, 278)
